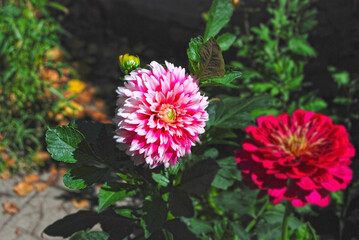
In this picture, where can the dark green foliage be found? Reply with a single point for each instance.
(72, 223)
(90, 236)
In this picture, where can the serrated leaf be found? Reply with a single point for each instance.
(82, 177)
(198, 178)
(110, 193)
(226, 80)
(160, 179)
(180, 204)
(211, 61)
(65, 227)
(225, 41)
(219, 15)
(90, 236)
(193, 54)
(68, 145)
(224, 115)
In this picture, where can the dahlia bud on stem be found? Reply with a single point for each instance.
(128, 63)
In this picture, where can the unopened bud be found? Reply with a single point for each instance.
(128, 63)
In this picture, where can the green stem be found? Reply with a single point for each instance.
(288, 210)
(259, 214)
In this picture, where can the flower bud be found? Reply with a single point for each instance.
(128, 63)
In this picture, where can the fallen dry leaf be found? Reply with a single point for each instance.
(53, 170)
(23, 188)
(51, 179)
(80, 203)
(100, 104)
(51, 75)
(96, 115)
(41, 157)
(55, 53)
(32, 178)
(5, 175)
(41, 186)
(10, 207)
(17, 231)
(62, 171)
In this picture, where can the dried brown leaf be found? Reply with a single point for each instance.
(23, 188)
(10, 207)
(41, 186)
(32, 178)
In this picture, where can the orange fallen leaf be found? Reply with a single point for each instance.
(5, 175)
(10, 162)
(17, 231)
(96, 115)
(32, 178)
(10, 207)
(53, 170)
(62, 171)
(51, 75)
(23, 188)
(54, 53)
(80, 203)
(52, 179)
(100, 104)
(84, 97)
(41, 186)
(41, 157)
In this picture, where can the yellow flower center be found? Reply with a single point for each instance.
(167, 114)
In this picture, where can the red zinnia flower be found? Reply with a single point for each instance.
(300, 159)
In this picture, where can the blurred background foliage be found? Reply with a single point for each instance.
(304, 53)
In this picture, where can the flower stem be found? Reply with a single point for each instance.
(255, 220)
(288, 210)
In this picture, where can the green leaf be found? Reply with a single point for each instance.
(115, 225)
(65, 227)
(224, 115)
(305, 232)
(90, 236)
(341, 78)
(237, 202)
(180, 204)
(82, 177)
(68, 145)
(299, 45)
(193, 54)
(211, 61)
(226, 40)
(125, 212)
(219, 15)
(198, 178)
(227, 174)
(112, 192)
(226, 80)
(160, 179)
(179, 230)
(156, 214)
(199, 227)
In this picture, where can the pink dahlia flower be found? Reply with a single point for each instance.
(300, 158)
(160, 114)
